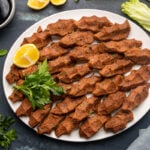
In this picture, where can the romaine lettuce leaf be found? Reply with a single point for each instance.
(137, 11)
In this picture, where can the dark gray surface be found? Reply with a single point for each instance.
(27, 138)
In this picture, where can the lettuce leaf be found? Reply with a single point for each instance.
(137, 11)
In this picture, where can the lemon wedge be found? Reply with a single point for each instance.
(26, 55)
(37, 4)
(58, 2)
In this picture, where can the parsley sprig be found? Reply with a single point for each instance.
(39, 85)
(6, 135)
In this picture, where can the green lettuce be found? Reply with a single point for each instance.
(137, 11)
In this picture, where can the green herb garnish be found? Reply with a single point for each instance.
(6, 135)
(3, 52)
(39, 85)
(76, 1)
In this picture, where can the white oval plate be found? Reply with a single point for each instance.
(136, 32)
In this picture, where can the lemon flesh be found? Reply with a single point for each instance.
(58, 2)
(37, 4)
(26, 56)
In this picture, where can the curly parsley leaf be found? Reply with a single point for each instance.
(6, 135)
(3, 52)
(39, 85)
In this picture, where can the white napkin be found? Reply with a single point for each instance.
(142, 142)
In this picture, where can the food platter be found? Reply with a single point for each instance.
(136, 32)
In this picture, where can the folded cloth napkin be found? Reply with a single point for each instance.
(142, 142)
